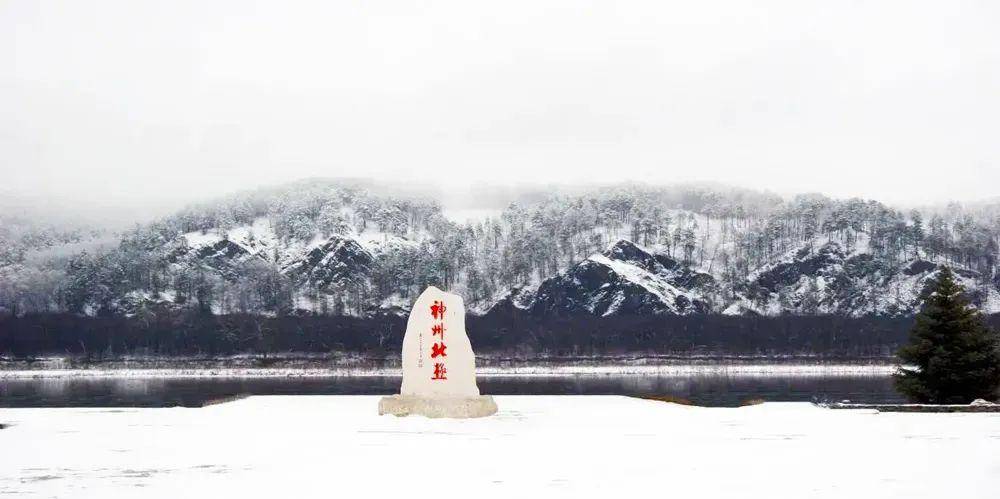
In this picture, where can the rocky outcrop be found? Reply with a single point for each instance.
(626, 279)
(338, 261)
(830, 279)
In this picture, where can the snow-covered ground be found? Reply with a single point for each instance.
(536, 446)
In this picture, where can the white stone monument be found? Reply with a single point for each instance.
(439, 368)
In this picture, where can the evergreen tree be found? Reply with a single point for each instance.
(956, 356)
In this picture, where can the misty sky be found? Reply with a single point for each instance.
(132, 102)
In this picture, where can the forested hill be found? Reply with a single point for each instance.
(327, 247)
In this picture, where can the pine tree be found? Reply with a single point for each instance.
(956, 356)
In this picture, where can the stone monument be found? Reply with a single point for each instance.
(439, 368)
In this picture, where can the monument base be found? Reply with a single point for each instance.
(438, 407)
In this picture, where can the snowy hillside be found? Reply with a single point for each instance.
(625, 279)
(629, 280)
(823, 277)
(323, 247)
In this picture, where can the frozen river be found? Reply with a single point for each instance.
(702, 388)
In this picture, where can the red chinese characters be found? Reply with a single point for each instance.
(438, 309)
(438, 349)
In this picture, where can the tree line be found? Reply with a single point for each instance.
(505, 335)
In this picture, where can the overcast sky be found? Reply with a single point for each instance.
(132, 102)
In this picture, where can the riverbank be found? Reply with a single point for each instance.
(557, 446)
(325, 366)
(568, 370)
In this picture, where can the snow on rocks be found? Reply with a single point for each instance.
(625, 279)
(829, 277)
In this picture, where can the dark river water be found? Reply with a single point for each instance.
(701, 389)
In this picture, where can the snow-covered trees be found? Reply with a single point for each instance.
(30, 289)
(331, 220)
(728, 233)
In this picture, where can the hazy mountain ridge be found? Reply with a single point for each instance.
(327, 247)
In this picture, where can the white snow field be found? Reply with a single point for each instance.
(536, 446)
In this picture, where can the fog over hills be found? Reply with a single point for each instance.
(358, 247)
